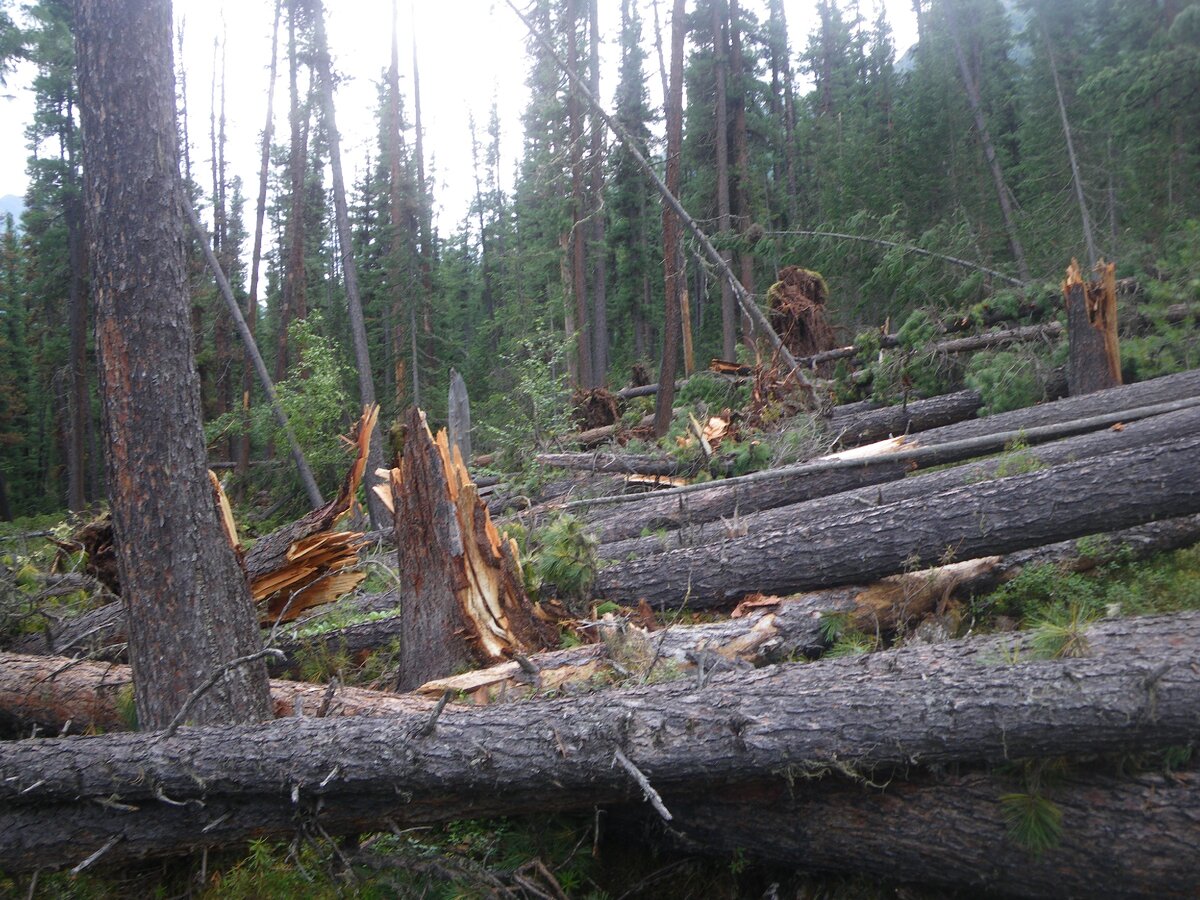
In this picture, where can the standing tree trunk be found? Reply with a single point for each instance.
(358, 330)
(190, 614)
(724, 217)
(578, 243)
(425, 225)
(985, 138)
(295, 281)
(599, 251)
(260, 211)
(1095, 360)
(670, 225)
(741, 146)
(396, 220)
(80, 405)
(781, 58)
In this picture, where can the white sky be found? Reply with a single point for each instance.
(471, 52)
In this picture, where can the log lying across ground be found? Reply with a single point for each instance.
(56, 694)
(122, 797)
(691, 528)
(853, 429)
(1128, 836)
(1123, 489)
(986, 341)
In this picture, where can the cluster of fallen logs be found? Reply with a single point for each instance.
(907, 761)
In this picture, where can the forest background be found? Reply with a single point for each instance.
(552, 279)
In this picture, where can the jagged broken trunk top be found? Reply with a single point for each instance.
(464, 602)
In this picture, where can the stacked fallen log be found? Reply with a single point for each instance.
(1123, 489)
(111, 799)
(688, 527)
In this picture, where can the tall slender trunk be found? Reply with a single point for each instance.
(599, 251)
(221, 338)
(295, 282)
(985, 138)
(1089, 236)
(741, 145)
(670, 222)
(578, 243)
(724, 217)
(260, 210)
(425, 215)
(366, 387)
(80, 403)
(781, 59)
(396, 216)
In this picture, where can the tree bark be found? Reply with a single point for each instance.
(72, 696)
(1095, 361)
(362, 358)
(464, 601)
(721, 141)
(1124, 489)
(579, 225)
(1121, 835)
(951, 703)
(187, 598)
(716, 518)
(920, 415)
(295, 282)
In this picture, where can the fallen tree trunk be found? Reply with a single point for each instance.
(1121, 490)
(986, 341)
(620, 518)
(631, 464)
(1119, 836)
(920, 415)
(121, 797)
(687, 529)
(57, 695)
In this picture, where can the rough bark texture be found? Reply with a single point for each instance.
(687, 527)
(465, 602)
(858, 428)
(959, 702)
(1095, 361)
(189, 605)
(1122, 836)
(60, 695)
(1121, 490)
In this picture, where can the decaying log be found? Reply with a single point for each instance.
(464, 600)
(64, 799)
(685, 528)
(1095, 360)
(858, 428)
(1131, 835)
(60, 695)
(1123, 489)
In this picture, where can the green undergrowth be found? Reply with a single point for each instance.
(557, 856)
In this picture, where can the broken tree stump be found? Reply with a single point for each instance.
(464, 602)
(1095, 360)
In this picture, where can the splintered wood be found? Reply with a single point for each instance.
(465, 601)
(1095, 360)
(308, 563)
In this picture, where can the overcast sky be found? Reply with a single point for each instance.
(470, 52)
